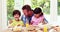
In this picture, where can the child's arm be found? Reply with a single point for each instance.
(11, 25)
(43, 20)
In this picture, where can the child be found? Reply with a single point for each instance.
(38, 16)
(16, 21)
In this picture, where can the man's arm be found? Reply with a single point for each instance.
(45, 20)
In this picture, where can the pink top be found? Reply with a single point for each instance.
(36, 21)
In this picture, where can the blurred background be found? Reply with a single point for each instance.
(58, 10)
(58, 7)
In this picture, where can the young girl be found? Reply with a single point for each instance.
(16, 21)
(38, 16)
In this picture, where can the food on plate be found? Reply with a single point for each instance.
(39, 31)
(32, 31)
(31, 27)
(17, 29)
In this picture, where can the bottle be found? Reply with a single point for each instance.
(27, 23)
(45, 28)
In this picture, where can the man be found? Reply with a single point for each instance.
(28, 13)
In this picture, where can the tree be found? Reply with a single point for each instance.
(45, 4)
(58, 7)
(10, 7)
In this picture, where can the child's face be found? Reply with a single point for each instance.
(16, 16)
(37, 15)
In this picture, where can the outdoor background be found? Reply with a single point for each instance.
(58, 7)
(58, 10)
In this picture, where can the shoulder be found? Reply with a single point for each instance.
(21, 21)
(41, 17)
(33, 18)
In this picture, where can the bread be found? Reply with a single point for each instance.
(16, 29)
(31, 28)
(32, 31)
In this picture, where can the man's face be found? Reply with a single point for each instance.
(25, 12)
(30, 13)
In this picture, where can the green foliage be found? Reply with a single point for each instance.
(58, 8)
(58, 0)
(10, 7)
(45, 4)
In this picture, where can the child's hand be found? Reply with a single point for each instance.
(10, 26)
(32, 22)
(10, 21)
(44, 22)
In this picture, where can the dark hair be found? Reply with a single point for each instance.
(37, 11)
(16, 12)
(27, 7)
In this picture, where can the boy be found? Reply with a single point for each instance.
(16, 21)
